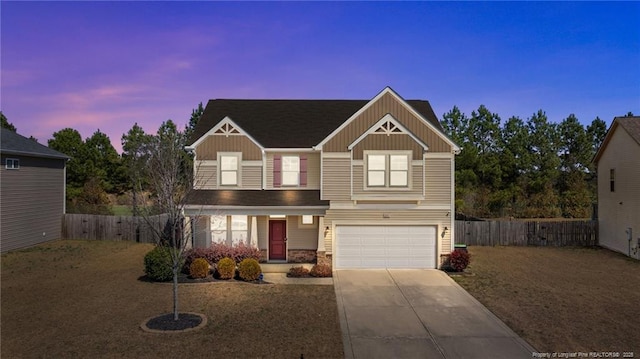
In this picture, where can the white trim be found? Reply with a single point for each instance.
(238, 156)
(64, 189)
(387, 172)
(438, 155)
(388, 90)
(15, 163)
(387, 206)
(388, 118)
(252, 163)
(321, 229)
(212, 131)
(424, 175)
(336, 155)
(264, 170)
(452, 210)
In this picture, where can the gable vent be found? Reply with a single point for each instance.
(388, 128)
(227, 130)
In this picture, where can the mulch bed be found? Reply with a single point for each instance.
(165, 322)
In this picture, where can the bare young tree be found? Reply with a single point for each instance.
(169, 170)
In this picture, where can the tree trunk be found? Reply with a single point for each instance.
(175, 292)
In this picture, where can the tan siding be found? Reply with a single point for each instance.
(251, 177)
(438, 180)
(209, 148)
(359, 180)
(620, 209)
(336, 179)
(206, 176)
(404, 217)
(32, 202)
(299, 237)
(313, 168)
(387, 104)
(384, 142)
(263, 232)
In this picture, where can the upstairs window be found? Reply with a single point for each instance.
(612, 180)
(12, 164)
(387, 170)
(229, 168)
(289, 171)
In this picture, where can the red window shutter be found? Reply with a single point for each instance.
(277, 171)
(303, 171)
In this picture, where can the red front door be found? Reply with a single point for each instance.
(277, 240)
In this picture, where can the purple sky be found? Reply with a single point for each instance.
(107, 65)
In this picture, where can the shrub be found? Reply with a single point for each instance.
(217, 251)
(199, 268)
(226, 268)
(459, 260)
(320, 270)
(249, 269)
(157, 264)
(298, 272)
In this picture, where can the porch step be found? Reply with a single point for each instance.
(282, 267)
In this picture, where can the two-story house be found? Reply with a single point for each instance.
(351, 183)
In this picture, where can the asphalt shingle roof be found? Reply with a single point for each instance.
(15, 144)
(290, 123)
(632, 125)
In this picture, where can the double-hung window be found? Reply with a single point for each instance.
(387, 170)
(230, 230)
(229, 169)
(290, 170)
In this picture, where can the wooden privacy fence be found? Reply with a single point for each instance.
(112, 228)
(527, 233)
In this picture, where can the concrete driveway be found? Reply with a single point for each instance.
(409, 313)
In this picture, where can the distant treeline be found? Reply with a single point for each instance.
(524, 168)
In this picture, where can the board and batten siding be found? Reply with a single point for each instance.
(313, 169)
(415, 184)
(619, 210)
(209, 148)
(301, 236)
(32, 201)
(336, 178)
(383, 142)
(424, 217)
(438, 180)
(387, 104)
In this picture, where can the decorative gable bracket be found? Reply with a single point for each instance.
(388, 125)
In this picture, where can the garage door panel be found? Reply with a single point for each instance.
(386, 246)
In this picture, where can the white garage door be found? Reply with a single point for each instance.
(385, 247)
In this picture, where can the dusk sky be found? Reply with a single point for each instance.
(107, 65)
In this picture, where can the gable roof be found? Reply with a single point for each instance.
(290, 123)
(631, 124)
(14, 144)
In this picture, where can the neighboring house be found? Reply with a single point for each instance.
(32, 192)
(352, 183)
(618, 163)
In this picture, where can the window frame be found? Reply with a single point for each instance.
(388, 170)
(238, 170)
(290, 172)
(15, 163)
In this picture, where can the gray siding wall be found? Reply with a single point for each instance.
(32, 202)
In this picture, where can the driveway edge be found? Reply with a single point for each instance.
(515, 335)
(342, 315)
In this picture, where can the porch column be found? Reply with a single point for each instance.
(254, 232)
(321, 234)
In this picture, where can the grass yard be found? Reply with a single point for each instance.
(561, 299)
(83, 299)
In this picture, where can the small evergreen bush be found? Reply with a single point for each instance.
(218, 251)
(199, 268)
(459, 260)
(226, 268)
(321, 270)
(157, 264)
(249, 269)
